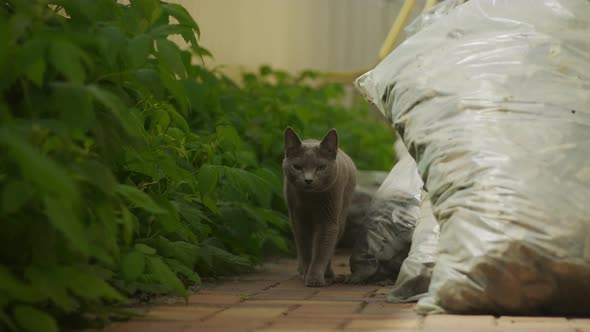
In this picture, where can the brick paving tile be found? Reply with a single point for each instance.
(301, 302)
(385, 329)
(580, 324)
(309, 322)
(530, 321)
(262, 304)
(341, 295)
(385, 308)
(543, 324)
(535, 329)
(268, 276)
(149, 326)
(251, 313)
(275, 299)
(394, 324)
(383, 291)
(326, 308)
(283, 295)
(294, 283)
(291, 329)
(367, 287)
(454, 322)
(181, 313)
(241, 286)
(224, 326)
(241, 319)
(215, 298)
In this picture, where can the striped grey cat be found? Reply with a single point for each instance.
(319, 180)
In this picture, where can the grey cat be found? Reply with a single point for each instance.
(319, 180)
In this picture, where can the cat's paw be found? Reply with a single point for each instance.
(302, 270)
(315, 281)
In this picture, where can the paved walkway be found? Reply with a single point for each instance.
(276, 300)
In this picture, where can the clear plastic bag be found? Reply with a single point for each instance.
(384, 240)
(416, 270)
(433, 14)
(367, 183)
(493, 102)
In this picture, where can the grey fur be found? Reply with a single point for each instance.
(319, 180)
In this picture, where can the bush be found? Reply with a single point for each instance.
(126, 169)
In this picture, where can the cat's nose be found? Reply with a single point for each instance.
(308, 181)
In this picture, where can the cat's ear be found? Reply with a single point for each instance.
(329, 144)
(292, 141)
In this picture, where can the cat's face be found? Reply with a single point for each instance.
(310, 165)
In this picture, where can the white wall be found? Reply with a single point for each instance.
(325, 35)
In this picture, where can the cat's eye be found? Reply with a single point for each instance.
(321, 167)
(297, 167)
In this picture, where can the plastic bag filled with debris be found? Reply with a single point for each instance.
(384, 240)
(416, 271)
(493, 102)
(367, 183)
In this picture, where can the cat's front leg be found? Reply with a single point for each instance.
(302, 236)
(324, 243)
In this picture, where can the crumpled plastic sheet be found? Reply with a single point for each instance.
(384, 240)
(416, 270)
(493, 102)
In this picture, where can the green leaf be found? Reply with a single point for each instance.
(181, 15)
(139, 49)
(175, 87)
(211, 204)
(45, 173)
(63, 217)
(159, 121)
(169, 56)
(128, 221)
(53, 286)
(170, 29)
(132, 265)
(203, 52)
(100, 176)
(179, 120)
(139, 198)
(147, 250)
(165, 276)
(207, 179)
(88, 286)
(117, 107)
(272, 179)
(247, 183)
(68, 59)
(229, 137)
(112, 42)
(14, 195)
(279, 242)
(179, 250)
(36, 71)
(74, 105)
(149, 9)
(218, 254)
(7, 321)
(149, 79)
(186, 271)
(34, 320)
(170, 221)
(16, 289)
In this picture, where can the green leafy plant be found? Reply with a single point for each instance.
(127, 169)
